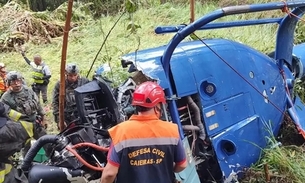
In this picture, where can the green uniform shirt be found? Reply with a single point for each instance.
(26, 102)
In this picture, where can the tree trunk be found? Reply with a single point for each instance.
(28, 4)
(41, 5)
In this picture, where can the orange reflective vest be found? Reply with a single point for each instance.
(37, 73)
(3, 87)
(145, 149)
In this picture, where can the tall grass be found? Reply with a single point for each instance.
(85, 41)
(285, 165)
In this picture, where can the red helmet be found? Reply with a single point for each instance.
(148, 94)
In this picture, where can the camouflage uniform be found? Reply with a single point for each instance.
(25, 102)
(70, 111)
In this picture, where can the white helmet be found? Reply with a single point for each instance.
(2, 65)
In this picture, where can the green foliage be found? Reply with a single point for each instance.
(42, 5)
(81, 12)
(135, 31)
(285, 165)
(300, 33)
(38, 5)
(299, 89)
(104, 7)
(131, 6)
(281, 161)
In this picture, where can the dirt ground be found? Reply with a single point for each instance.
(289, 134)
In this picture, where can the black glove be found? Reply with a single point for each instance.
(46, 81)
(40, 122)
(39, 131)
(34, 87)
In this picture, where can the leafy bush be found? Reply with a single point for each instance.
(300, 33)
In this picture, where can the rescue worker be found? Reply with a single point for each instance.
(41, 75)
(22, 99)
(145, 148)
(73, 80)
(3, 73)
(14, 135)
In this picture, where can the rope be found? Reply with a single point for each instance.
(282, 74)
(239, 74)
(285, 9)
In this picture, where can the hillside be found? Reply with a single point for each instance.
(41, 33)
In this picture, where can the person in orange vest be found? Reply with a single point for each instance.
(3, 73)
(145, 148)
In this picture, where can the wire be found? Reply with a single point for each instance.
(84, 162)
(104, 42)
(87, 144)
(286, 10)
(238, 73)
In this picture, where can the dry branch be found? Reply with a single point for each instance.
(20, 26)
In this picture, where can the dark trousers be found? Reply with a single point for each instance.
(15, 176)
(43, 89)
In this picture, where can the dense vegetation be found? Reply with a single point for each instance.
(25, 25)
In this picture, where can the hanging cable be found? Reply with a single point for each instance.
(104, 42)
(222, 59)
(286, 10)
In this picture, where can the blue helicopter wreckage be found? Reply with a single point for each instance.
(225, 96)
